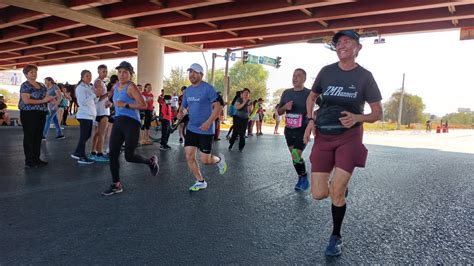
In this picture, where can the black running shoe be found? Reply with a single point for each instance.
(31, 165)
(115, 188)
(165, 147)
(60, 137)
(153, 164)
(41, 162)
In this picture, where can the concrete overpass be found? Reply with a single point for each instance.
(48, 32)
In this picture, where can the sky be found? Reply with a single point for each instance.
(438, 66)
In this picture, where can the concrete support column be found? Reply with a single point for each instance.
(151, 60)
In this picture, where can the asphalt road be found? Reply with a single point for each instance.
(409, 205)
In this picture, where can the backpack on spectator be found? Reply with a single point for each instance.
(231, 110)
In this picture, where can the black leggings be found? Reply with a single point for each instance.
(33, 124)
(240, 126)
(64, 118)
(165, 131)
(148, 117)
(125, 129)
(85, 126)
(230, 129)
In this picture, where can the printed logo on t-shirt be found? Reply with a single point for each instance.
(339, 91)
(194, 99)
(294, 120)
(352, 87)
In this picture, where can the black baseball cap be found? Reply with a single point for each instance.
(349, 33)
(126, 65)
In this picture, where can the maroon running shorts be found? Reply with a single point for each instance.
(344, 151)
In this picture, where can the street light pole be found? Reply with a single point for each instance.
(399, 122)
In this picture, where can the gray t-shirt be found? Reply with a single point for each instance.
(296, 117)
(349, 90)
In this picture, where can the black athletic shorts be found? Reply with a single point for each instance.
(202, 141)
(111, 119)
(99, 117)
(294, 137)
(1, 115)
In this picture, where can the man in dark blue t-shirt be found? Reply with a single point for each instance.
(200, 101)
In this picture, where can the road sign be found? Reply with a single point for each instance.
(269, 61)
(263, 60)
(253, 59)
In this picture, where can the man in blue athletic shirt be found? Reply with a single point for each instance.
(200, 101)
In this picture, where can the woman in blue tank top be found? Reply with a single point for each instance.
(128, 101)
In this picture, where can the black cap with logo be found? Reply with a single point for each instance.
(126, 65)
(349, 33)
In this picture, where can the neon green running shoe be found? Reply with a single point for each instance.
(222, 165)
(198, 186)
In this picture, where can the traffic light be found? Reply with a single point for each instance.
(278, 61)
(245, 57)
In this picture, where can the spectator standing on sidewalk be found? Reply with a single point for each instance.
(33, 109)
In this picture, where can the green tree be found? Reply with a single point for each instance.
(252, 76)
(219, 81)
(276, 95)
(459, 118)
(412, 108)
(10, 97)
(177, 79)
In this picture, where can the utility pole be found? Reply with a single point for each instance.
(213, 76)
(399, 122)
(226, 81)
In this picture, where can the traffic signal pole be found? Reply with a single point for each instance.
(245, 59)
(226, 82)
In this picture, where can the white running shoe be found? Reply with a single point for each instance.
(198, 186)
(222, 165)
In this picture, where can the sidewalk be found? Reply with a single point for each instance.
(457, 140)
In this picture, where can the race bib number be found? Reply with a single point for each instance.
(294, 120)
